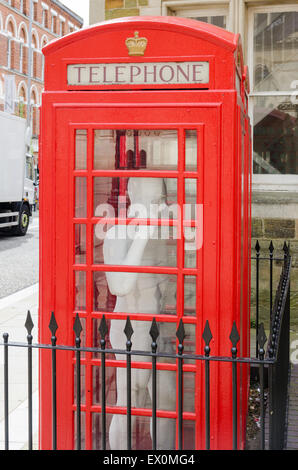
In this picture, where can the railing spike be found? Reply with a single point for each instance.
(262, 336)
(29, 325)
(207, 335)
(103, 328)
(53, 324)
(128, 330)
(180, 332)
(154, 332)
(234, 336)
(77, 327)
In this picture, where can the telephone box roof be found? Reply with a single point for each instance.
(186, 26)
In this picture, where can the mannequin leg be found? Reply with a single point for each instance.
(166, 400)
(118, 427)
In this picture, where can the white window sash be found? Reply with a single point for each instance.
(268, 182)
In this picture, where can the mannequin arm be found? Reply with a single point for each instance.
(116, 250)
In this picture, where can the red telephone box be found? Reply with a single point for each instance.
(134, 108)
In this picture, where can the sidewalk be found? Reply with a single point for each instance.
(13, 313)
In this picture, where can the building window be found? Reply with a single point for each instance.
(45, 18)
(35, 12)
(218, 15)
(273, 36)
(23, 52)
(54, 23)
(10, 46)
(62, 27)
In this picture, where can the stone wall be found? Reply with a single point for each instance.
(120, 8)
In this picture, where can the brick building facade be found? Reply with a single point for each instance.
(50, 20)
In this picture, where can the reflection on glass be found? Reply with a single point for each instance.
(189, 391)
(81, 149)
(275, 135)
(189, 435)
(190, 296)
(83, 376)
(80, 197)
(141, 432)
(83, 429)
(219, 20)
(80, 290)
(275, 50)
(191, 150)
(80, 243)
(110, 385)
(97, 431)
(190, 212)
(189, 342)
(135, 149)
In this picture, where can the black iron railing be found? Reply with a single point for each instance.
(274, 360)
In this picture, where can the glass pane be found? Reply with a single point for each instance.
(141, 432)
(97, 430)
(191, 150)
(190, 199)
(80, 197)
(220, 20)
(275, 135)
(189, 391)
(80, 243)
(110, 387)
(190, 296)
(159, 251)
(275, 50)
(134, 293)
(113, 197)
(135, 149)
(189, 342)
(189, 435)
(80, 290)
(81, 150)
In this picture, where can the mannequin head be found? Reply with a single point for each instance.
(146, 191)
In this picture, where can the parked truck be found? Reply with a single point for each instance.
(17, 187)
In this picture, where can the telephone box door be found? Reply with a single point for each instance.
(106, 159)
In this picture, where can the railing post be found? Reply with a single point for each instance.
(29, 326)
(6, 404)
(257, 248)
(207, 337)
(262, 340)
(180, 335)
(103, 329)
(279, 352)
(234, 338)
(78, 330)
(53, 328)
(271, 249)
(154, 333)
(128, 332)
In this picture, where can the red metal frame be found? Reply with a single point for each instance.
(222, 270)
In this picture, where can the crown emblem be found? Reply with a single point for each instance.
(136, 46)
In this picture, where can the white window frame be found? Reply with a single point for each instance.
(198, 8)
(267, 182)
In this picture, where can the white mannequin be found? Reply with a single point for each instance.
(139, 293)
